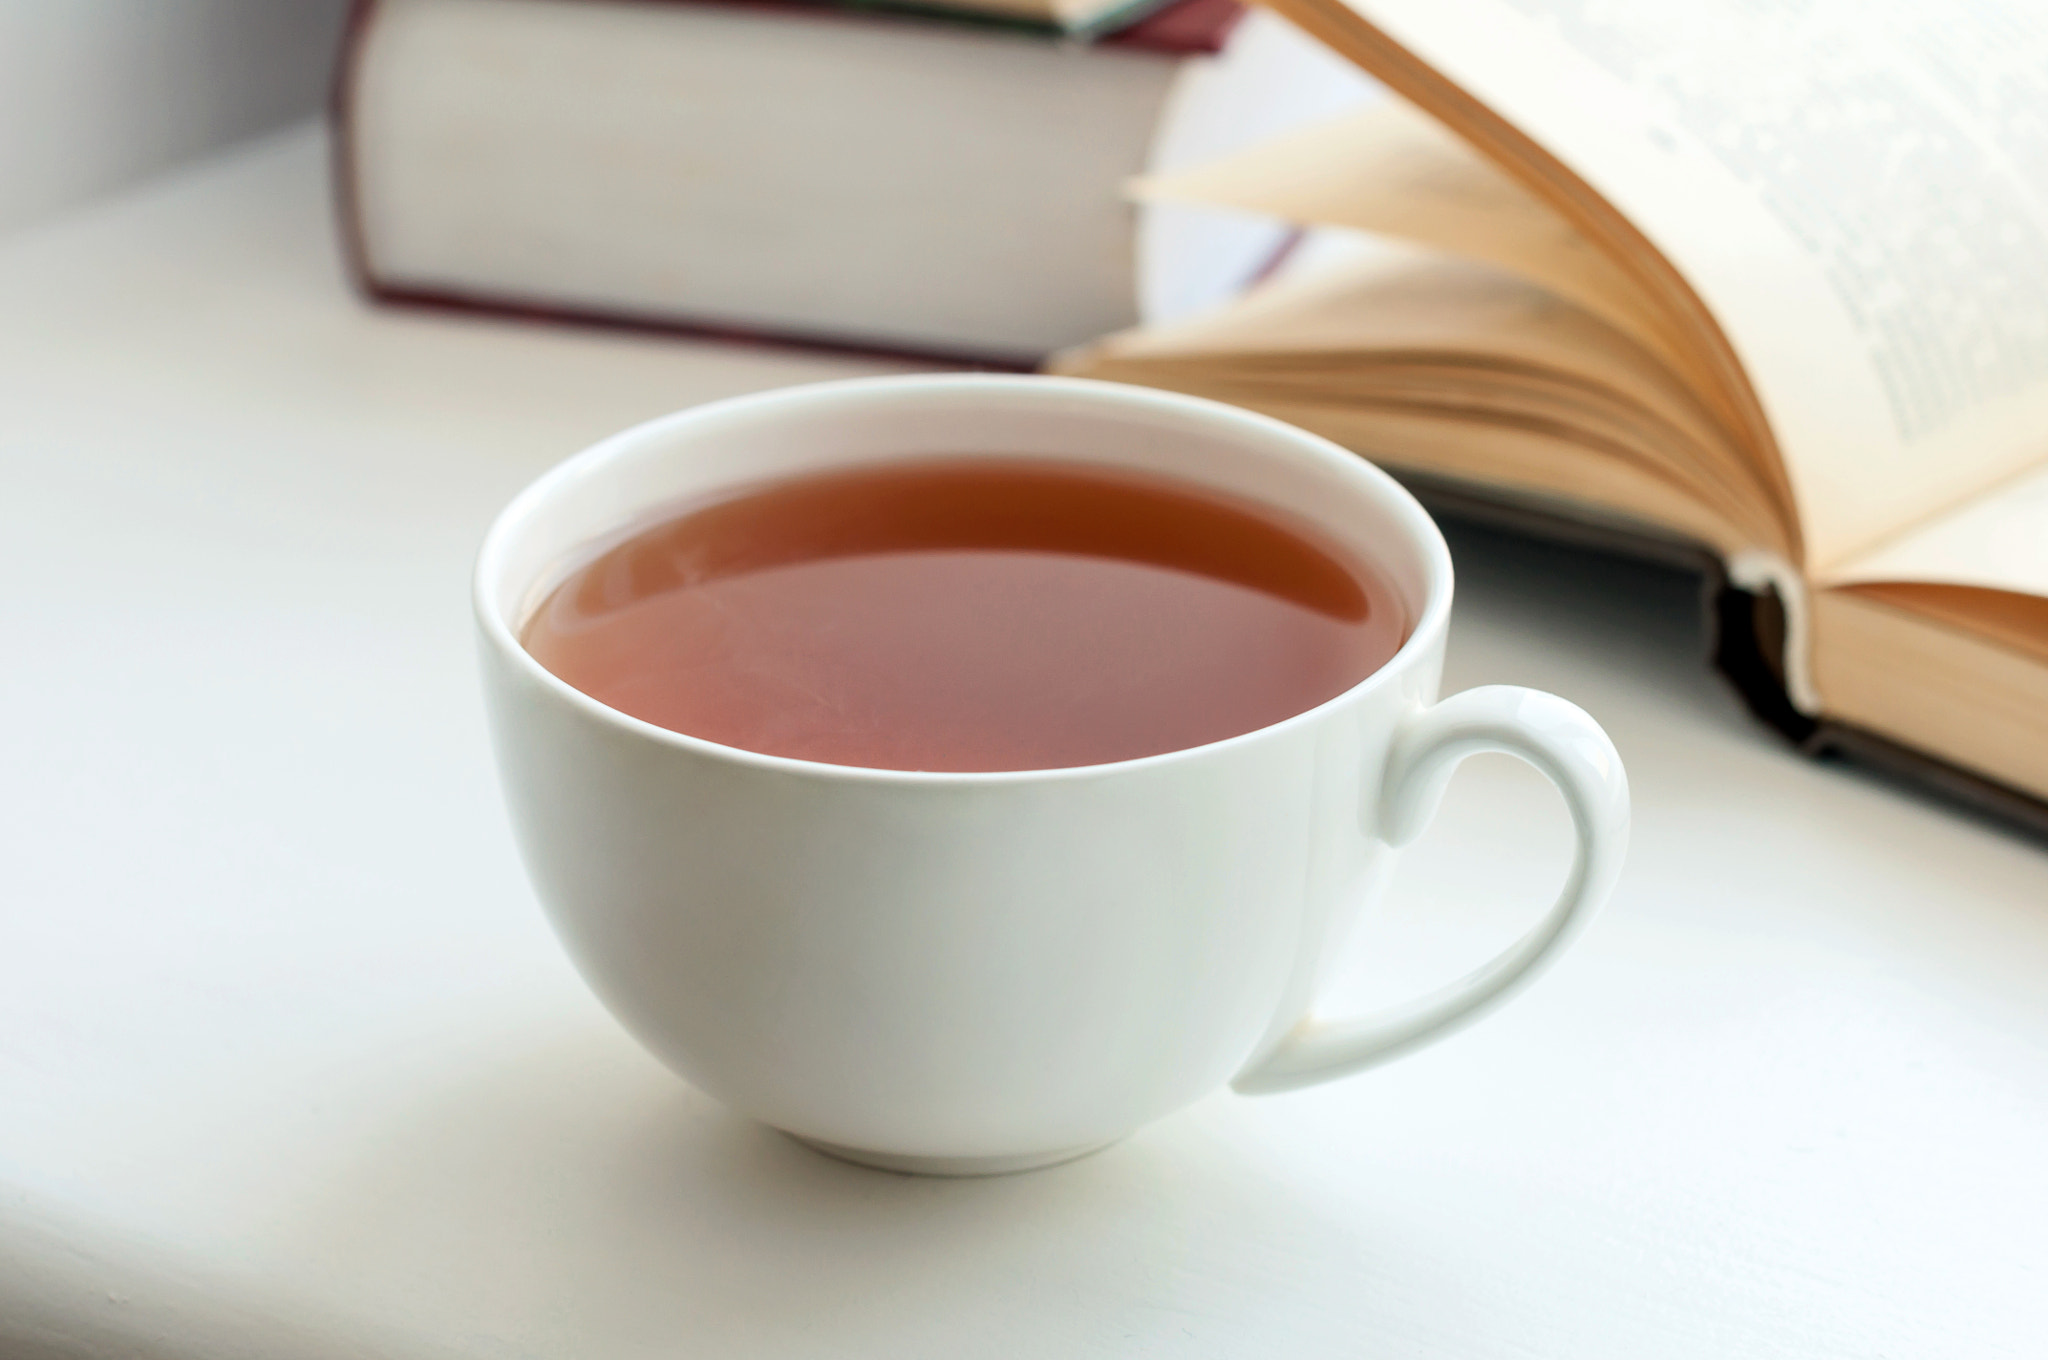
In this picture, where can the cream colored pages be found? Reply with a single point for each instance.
(1396, 171)
(1392, 302)
(1377, 326)
(1853, 186)
(1998, 541)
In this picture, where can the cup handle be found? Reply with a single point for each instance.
(1557, 738)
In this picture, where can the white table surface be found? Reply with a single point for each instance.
(290, 1065)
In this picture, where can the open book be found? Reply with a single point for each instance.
(1761, 279)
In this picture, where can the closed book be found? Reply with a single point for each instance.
(858, 178)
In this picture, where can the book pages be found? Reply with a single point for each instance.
(1407, 355)
(1395, 171)
(1271, 77)
(1852, 187)
(1964, 695)
(1998, 541)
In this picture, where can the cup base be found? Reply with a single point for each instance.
(950, 1166)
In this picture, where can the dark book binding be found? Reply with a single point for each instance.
(1745, 643)
(1177, 28)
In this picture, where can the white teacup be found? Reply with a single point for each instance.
(983, 972)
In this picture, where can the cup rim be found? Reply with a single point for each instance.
(1428, 628)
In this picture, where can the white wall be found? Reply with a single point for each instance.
(96, 94)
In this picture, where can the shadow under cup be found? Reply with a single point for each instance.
(949, 971)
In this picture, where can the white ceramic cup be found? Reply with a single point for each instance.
(980, 972)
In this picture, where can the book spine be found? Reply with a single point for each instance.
(1747, 637)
